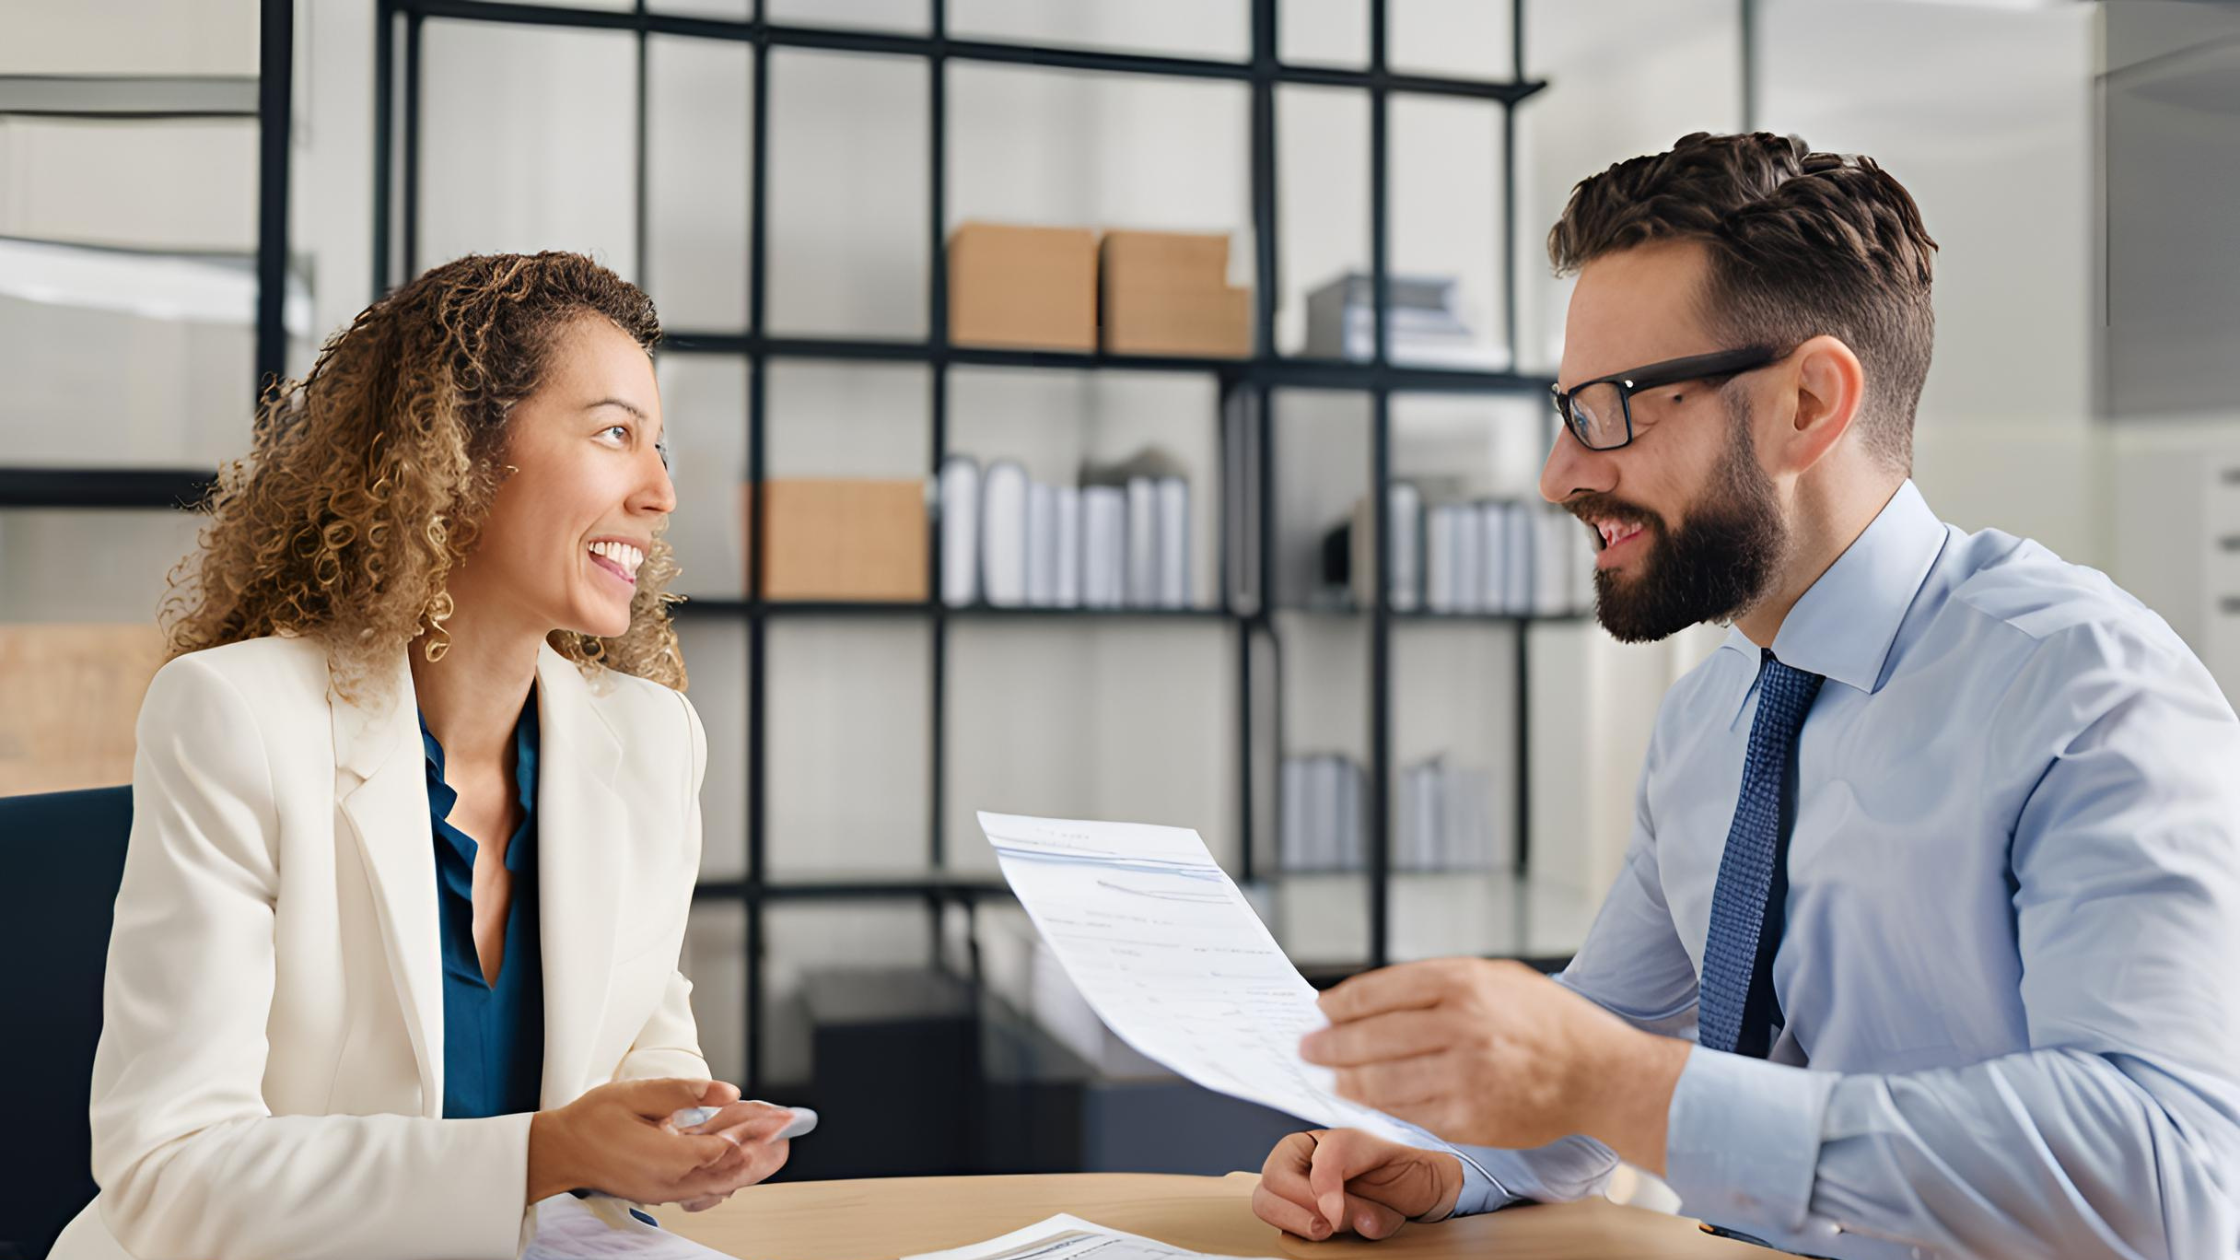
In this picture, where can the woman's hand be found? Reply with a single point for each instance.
(1337, 1181)
(751, 1126)
(617, 1139)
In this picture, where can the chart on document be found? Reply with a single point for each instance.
(1171, 956)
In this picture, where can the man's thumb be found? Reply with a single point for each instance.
(1326, 1179)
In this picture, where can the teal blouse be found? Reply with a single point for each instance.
(493, 1034)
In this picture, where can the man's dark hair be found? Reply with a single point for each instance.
(1801, 244)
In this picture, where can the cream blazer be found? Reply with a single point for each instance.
(269, 1081)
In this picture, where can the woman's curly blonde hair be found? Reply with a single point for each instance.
(368, 481)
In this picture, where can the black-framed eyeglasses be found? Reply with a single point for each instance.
(1600, 412)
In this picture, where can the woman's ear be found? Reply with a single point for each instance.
(1831, 387)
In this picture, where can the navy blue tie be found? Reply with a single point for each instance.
(1736, 1009)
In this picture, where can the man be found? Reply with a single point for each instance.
(1928, 937)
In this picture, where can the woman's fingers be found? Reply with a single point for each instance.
(760, 1159)
(705, 1151)
(747, 1121)
(705, 1162)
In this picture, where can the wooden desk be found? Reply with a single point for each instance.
(880, 1218)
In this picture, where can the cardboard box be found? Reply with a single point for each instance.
(844, 540)
(1188, 260)
(1031, 288)
(1216, 324)
(1169, 293)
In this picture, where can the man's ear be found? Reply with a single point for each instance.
(1831, 387)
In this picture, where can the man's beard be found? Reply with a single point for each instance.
(1715, 567)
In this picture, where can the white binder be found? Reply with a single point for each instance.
(1042, 545)
(1143, 543)
(960, 531)
(1174, 542)
(1067, 544)
(1003, 534)
(1104, 547)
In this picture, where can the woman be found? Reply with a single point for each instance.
(416, 812)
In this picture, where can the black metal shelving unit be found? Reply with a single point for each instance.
(1245, 609)
(144, 99)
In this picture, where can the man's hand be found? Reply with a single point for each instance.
(1496, 1054)
(1336, 1181)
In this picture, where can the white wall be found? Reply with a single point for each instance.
(1986, 114)
(139, 37)
(2170, 78)
(1995, 117)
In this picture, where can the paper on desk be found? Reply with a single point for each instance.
(1172, 958)
(567, 1230)
(1066, 1238)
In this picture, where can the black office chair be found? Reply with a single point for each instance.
(61, 856)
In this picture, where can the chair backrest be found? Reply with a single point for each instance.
(61, 856)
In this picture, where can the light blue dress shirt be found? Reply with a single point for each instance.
(2010, 973)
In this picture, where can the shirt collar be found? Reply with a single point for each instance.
(1844, 624)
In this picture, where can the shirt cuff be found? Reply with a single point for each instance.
(1480, 1192)
(1742, 1143)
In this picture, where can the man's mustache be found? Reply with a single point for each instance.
(1603, 507)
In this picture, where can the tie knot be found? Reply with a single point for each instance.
(1785, 690)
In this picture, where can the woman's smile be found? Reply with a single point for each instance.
(618, 559)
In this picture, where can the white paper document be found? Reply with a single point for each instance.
(1172, 958)
(567, 1229)
(1065, 1238)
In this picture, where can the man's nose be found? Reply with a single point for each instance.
(1571, 468)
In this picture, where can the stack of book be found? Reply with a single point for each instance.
(1120, 539)
(1445, 819)
(1490, 556)
(1427, 323)
(1323, 814)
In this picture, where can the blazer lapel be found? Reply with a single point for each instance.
(581, 827)
(381, 787)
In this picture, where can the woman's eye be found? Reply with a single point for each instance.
(620, 432)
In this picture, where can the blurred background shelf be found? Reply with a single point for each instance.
(23, 487)
(1276, 369)
(1263, 66)
(853, 738)
(700, 606)
(1006, 743)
